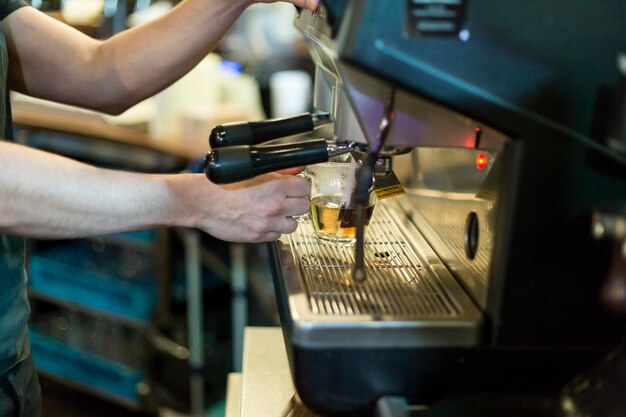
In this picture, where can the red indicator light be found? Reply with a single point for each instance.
(481, 161)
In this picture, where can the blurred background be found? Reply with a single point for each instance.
(150, 323)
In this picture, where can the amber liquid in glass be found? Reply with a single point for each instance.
(332, 221)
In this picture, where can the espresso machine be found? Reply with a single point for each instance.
(502, 122)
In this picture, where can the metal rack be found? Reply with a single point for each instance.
(397, 282)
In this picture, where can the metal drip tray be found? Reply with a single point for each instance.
(397, 283)
(407, 287)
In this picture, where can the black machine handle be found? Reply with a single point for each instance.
(254, 133)
(238, 163)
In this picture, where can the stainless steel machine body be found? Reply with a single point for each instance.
(484, 276)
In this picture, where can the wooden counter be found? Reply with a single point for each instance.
(29, 116)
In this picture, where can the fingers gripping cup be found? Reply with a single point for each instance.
(333, 211)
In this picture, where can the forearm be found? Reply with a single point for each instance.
(141, 61)
(45, 195)
(114, 74)
(49, 196)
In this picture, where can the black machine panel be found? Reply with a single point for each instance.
(509, 61)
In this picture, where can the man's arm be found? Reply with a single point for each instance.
(51, 60)
(49, 196)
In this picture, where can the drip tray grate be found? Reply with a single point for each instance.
(397, 282)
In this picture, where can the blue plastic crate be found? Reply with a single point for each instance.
(115, 280)
(143, 236)
(110, 378)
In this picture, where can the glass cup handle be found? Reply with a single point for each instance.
(306, 216)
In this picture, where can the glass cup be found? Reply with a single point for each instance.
(333, 213)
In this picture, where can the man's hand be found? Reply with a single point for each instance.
(256, 210)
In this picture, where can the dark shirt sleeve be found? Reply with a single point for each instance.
(9, 6)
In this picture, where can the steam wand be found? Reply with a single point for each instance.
(364, 176)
